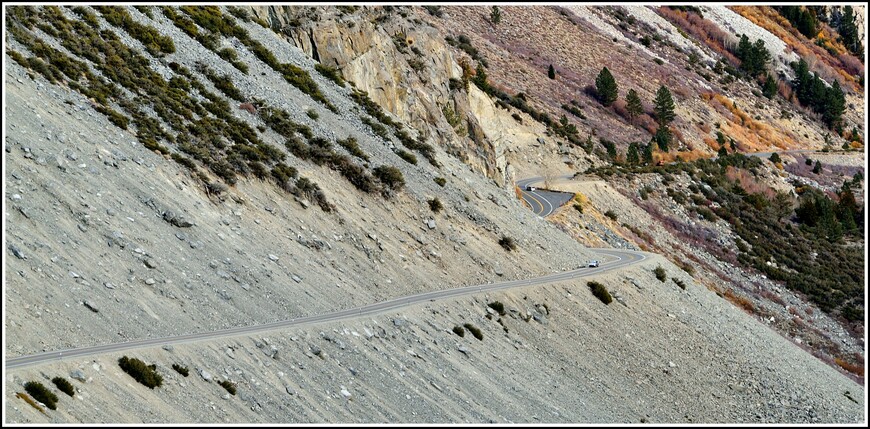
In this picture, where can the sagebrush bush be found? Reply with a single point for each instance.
(145, 374)
(600, 292)
(64, 386)
(181, 369)
(407, 156)
(435, 205)
(440, 181)
(459, 330)
(390, 176)
(30, 401)
(508, 243)
(474, 331)
(229, 386)
(660, 273)
(679, 283)
(497, 306)
(41, 394)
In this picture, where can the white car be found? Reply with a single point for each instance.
(593, 264)
(531, 188)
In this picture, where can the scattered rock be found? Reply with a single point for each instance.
(181, 236)
(296, 278)
(90, 306)
(400, 322)
(17, 252)
(150, 263)
(205, 375)
(168, 347)
(462, 350)
(149, 281)
(430, 223)
(176, 220)
(78, 375)
(230, 353)
(109, 285)
(290, 390)
(273, 257)
(344, 392)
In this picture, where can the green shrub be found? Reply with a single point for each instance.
(181, 369)
(145, 374)
(154, 42)
(474, 331)
(229, 386)
(600, 292)
(312, 114)
(611, 215)
(508, 243)
(440, 181)
(390, 176)
(353, 148)
(497, 306)
(459, 330)
(660, 273)
(679, 283)
(330, 73)
(114, 116)
(435, 205)
(578, 207)
(41, 394)
(407, 156)
(64, 386)
(379, 130)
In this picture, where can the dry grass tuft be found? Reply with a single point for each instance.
(30, 401)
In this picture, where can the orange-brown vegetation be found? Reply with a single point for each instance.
(739, 301)
(703, 30)
(857, 369)
(750, 134)
(748, 182)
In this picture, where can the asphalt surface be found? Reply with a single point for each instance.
(542, 202)
(615, 259)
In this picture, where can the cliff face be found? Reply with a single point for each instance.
(405, 67)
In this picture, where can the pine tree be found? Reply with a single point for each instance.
(722, 152)
(633, 104)
(733, 145)
(849, 32)
(662, 137)
(632, 157)
(648, 154)
(769, 87)
(606, 86)
(774, 158)
(664, 106)
(720, 138)
(551, 72)
(479, 78)
(818, 167)
(495, 15)
(834, 105)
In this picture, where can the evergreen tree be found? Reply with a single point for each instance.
(495, 15)
(632, 157)
(769, 87)
(551, 72)
(849, 32)
(662, 137)
(633, 104)
(744, 48)
(733, 145)
(801, 82)
(720, 138)
(818, 167)
(479, 78)
(834, 105)
(648, 154)
(774, 158)
(664, 106)
(722, 152)
(606, 86)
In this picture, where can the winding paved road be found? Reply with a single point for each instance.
(542, 202)
(616, 259)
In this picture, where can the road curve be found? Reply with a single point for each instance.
(542, 202)
(616, 259)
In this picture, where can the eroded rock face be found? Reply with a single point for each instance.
(377, 58)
